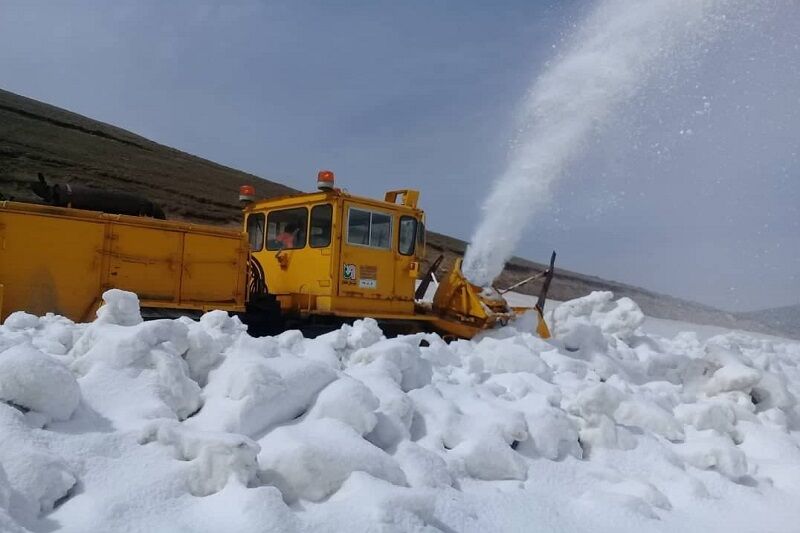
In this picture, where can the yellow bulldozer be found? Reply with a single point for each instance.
(310, 261)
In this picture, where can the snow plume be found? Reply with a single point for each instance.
(615, 50)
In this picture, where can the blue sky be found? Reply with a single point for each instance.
(692, 190)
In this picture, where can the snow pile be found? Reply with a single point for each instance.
(135, 370)
(23, 370)
(124, 425)
(216, 458)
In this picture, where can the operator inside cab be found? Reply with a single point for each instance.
(287, 237)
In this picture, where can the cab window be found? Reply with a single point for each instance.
(255, 231)
(286, 229)
(380, 233)
(321, 216)
(408, 235)
(358, 227)
(369, 228)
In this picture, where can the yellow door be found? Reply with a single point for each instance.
(367, 266)
(407, 254)
(300, 266)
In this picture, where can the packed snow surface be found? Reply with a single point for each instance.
(181, 425)
(612, 54)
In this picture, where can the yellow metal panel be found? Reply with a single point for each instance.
(193, 306)
(50, 263)
(323, 303)
(409, 197)
(146, 261)
(212, 269)
(303, 271)
(61, 260)
(372, 307)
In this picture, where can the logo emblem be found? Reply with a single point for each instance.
(349, 273)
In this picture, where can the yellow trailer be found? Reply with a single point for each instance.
(61, 260)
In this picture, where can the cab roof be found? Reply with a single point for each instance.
(409, 199)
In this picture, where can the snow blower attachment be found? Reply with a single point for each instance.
(464, 309)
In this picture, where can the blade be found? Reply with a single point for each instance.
(541, 328)
(546, 284)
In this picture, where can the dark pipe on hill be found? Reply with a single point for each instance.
(81, 197)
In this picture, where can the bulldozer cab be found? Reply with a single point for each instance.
(332, 253)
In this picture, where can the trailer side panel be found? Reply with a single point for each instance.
(61, 260)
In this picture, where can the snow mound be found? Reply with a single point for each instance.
(619, 318)
(137, 372)
(36, 382)
(208, 340)
(216, 458)
(258, 385)
(34, 478)
(125, 425)
(349, 401)
(733, 377)
(313, 459)
(120, 308)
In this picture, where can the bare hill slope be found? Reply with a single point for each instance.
(36, 137)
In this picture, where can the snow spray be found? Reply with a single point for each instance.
(614, 51)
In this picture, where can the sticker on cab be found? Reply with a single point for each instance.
(368, 284)
(349, 273)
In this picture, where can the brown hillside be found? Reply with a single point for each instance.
(66, 147)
